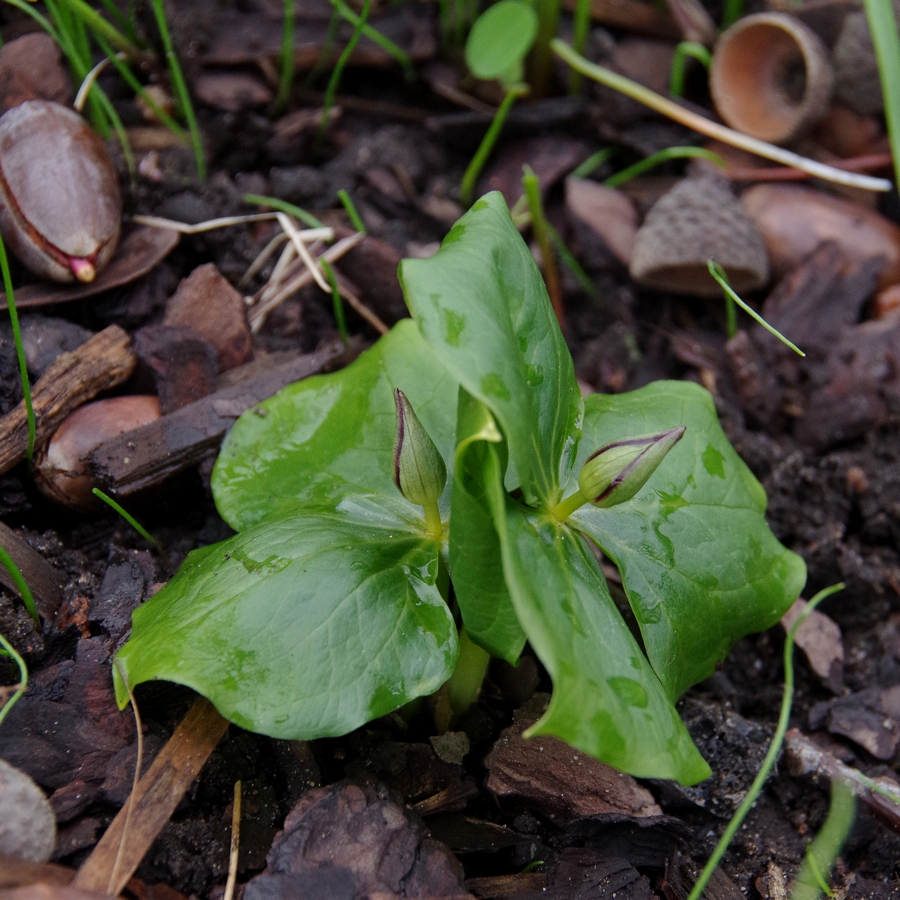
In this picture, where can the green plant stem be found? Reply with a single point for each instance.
(541, 63)
(581, 26)
(126, 516)
(470, 176)
(433, 524)
(692, 120)
(468, 676)
(664, 155)
(732, 10)
(23, 677)
(300, 214)
(20, 350)
(336, 300)
(771, 754)
(683, 51)
(594, 161)
(541, 229)
(180, 87)
(718, 273)
(21, 585)
(340, 65)
(883, 26)
(565, 508)
(286, 78)
(352, 212)
(99, 25)
(377, 38)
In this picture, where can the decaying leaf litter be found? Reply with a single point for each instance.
(818, 432)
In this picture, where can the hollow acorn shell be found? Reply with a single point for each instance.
(61, 205)
(771, 77)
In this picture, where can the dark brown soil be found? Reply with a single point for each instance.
(822, 434)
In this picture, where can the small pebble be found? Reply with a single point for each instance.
(27, 824)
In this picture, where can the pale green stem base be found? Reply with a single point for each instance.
(433, 524)
(565, 508)
(465, 682)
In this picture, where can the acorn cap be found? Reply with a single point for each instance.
(771, 77)
(698, 220)
(857, 83)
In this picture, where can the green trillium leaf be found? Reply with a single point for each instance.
(476, 566)
(607, 700)
(481, 304)
(307, 625)
(699, 564)
(328, 436)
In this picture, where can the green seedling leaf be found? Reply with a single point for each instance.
(699, 564)
(606, 701)
(332, 435)
(481, 304)
(475, 556)
(305, 626)
(500, 40)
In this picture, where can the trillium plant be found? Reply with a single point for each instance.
(363, 575)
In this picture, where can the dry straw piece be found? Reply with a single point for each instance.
(771, 77)
(698, 220)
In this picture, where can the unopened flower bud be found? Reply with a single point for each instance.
(419, 470)
(616, 472)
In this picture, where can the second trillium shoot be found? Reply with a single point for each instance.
(331, 605)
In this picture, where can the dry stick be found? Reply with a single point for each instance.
(881, 795)
(309, 234)
(99, 364)
(138, 765)
(297, 241)
(259, 313)
(712, 129)
(235, 843)
(154, 800)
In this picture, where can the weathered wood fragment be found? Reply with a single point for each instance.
(99, 364)
(148, 455)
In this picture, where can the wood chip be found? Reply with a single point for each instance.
(99, 364)
(819, 637)
(553, 780)
(148, 455)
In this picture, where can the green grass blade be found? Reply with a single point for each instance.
(340, 65)
(180, 87)
(20, 350)
(283, 206)
(886, 40)
(286, 55)
(662, 156)
(126, 516)
(23, 677)
(21, 585)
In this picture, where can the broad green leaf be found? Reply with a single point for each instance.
(328, 436)
(305, 626)
(481, 304)
(476, 566)
(699, 564)
(500, 39)
(607, 701)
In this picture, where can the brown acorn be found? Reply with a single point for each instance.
(61, 469)
(61, 206)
